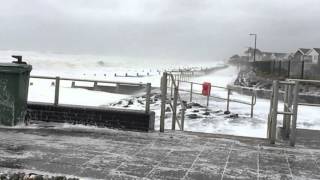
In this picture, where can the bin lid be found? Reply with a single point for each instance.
(14, 68)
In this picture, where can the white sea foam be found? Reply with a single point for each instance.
(90, 67)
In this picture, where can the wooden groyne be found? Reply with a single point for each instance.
(187, 74)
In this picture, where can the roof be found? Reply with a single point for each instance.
(304, 50)
(251, 51)
(317, 50)
(235, 56)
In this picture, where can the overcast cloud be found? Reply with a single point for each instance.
(180, 29)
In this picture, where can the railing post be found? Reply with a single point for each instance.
(252, 105)
(285, 106)
(270, 114)
(274, 112)
(191, 89)
(73, 84)
(228, 99)
(95, 85)
(148, 94)
(288, 120)
(56, 91)
(174, 110)
(295, 113)
(183, 110)
(163, 100)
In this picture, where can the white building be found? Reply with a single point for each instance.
(314, 53)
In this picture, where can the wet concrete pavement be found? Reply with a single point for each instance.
(111, 154)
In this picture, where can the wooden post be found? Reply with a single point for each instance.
(269, 115)
(163, 100)
(191, 89)
(174, 110)
(288, 119)
(295, 114)
(73, 84)
(253, 99)
(148, 94)
(228, 99)
(56, 92)
(274, 113)
(285, 105)
(95, 85)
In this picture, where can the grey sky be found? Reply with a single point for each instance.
(180, 29)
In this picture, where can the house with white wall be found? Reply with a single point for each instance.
(302, 55)
(314, 53)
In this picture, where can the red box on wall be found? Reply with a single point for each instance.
(206, 89)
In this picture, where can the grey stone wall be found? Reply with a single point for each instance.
(101, 117)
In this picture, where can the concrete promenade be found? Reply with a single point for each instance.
(110, 154)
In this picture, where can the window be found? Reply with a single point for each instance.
(315, 59)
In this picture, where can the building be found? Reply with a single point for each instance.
(314, 53)
(302, 55)
(250, 54)
(266, 56)
(306, 63)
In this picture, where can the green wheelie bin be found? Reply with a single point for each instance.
(14, 85)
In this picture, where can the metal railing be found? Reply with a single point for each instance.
(229, 90)
(181, 75)
(169, 82)
(117, 83)
(173, 102)
(307, 82)
(290, 110)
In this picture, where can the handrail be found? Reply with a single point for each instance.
(58, 79)
(87, 80)
(177, 97)
(232, 100)
(175, 85)
(201, 84)
(309, 104)
(305, 80)
(253, 95)
(172, 81)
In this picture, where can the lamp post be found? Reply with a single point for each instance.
(255, 46)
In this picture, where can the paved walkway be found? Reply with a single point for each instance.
(110, 154)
